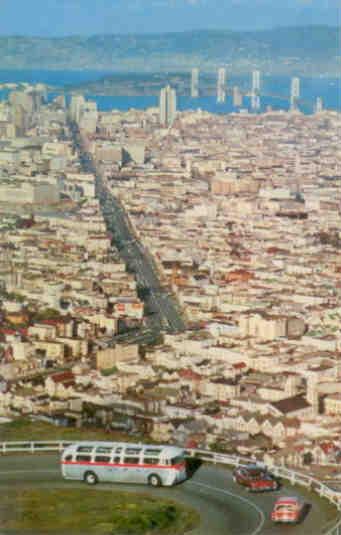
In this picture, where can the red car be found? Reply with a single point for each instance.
(287, 510)
(255, 478)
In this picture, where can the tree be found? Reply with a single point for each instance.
(308, 458)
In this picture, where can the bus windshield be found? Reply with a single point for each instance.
(177, 460)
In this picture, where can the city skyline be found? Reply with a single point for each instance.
(170, 266)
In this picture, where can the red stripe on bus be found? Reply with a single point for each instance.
(124, 465)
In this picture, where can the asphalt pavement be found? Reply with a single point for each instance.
(225, 508)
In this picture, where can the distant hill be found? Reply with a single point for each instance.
(307, 50)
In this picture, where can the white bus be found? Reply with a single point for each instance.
(122, 462)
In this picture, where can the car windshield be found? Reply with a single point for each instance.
(285, 507)
(256, 473)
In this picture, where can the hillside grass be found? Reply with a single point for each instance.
(92, 512)
(27, 430)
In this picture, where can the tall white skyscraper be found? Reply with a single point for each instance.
(167, 106)
(221, 85)
(255, 91)
(294, 92)
(195, 83)
(77, 104)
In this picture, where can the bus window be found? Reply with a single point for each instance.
(117, 460)
(102, 459)
(131, 460)
(83, 458)
(149, 451)
(68, 458)
(118, 450)
(151, 460)
(133, 451)
(85, 449)
(103, 450)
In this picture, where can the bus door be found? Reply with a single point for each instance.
(70, 469)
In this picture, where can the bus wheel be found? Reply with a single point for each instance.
(154, 480)
(90, 478)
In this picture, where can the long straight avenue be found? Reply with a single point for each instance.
(164, 314)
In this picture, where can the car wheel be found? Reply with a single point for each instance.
(90, 478)
(154, 480)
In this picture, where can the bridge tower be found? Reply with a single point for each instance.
(221, 85)
(294, 93)
(318, 105)
(255, 91)
(195, 83)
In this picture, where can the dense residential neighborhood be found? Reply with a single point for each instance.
(240, 215)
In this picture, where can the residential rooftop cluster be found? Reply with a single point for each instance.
(65, 294)
(241, 214)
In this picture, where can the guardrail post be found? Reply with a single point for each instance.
(32, 447)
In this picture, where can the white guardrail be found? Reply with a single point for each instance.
(295, 478)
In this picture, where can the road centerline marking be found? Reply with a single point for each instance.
(241, 498)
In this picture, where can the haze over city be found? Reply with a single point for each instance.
(86, 17)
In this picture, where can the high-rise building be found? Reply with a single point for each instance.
(60, 101)
(255, 91)
(77, 104)
(221, 85)
(88, 117)
(237, 96)
(318, 105)
(42, 88)
(167, 106)
(195, 83)
(23, 110)
(294, 92)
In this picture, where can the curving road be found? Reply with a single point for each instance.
(226, 508)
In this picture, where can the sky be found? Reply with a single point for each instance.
(49, 18)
